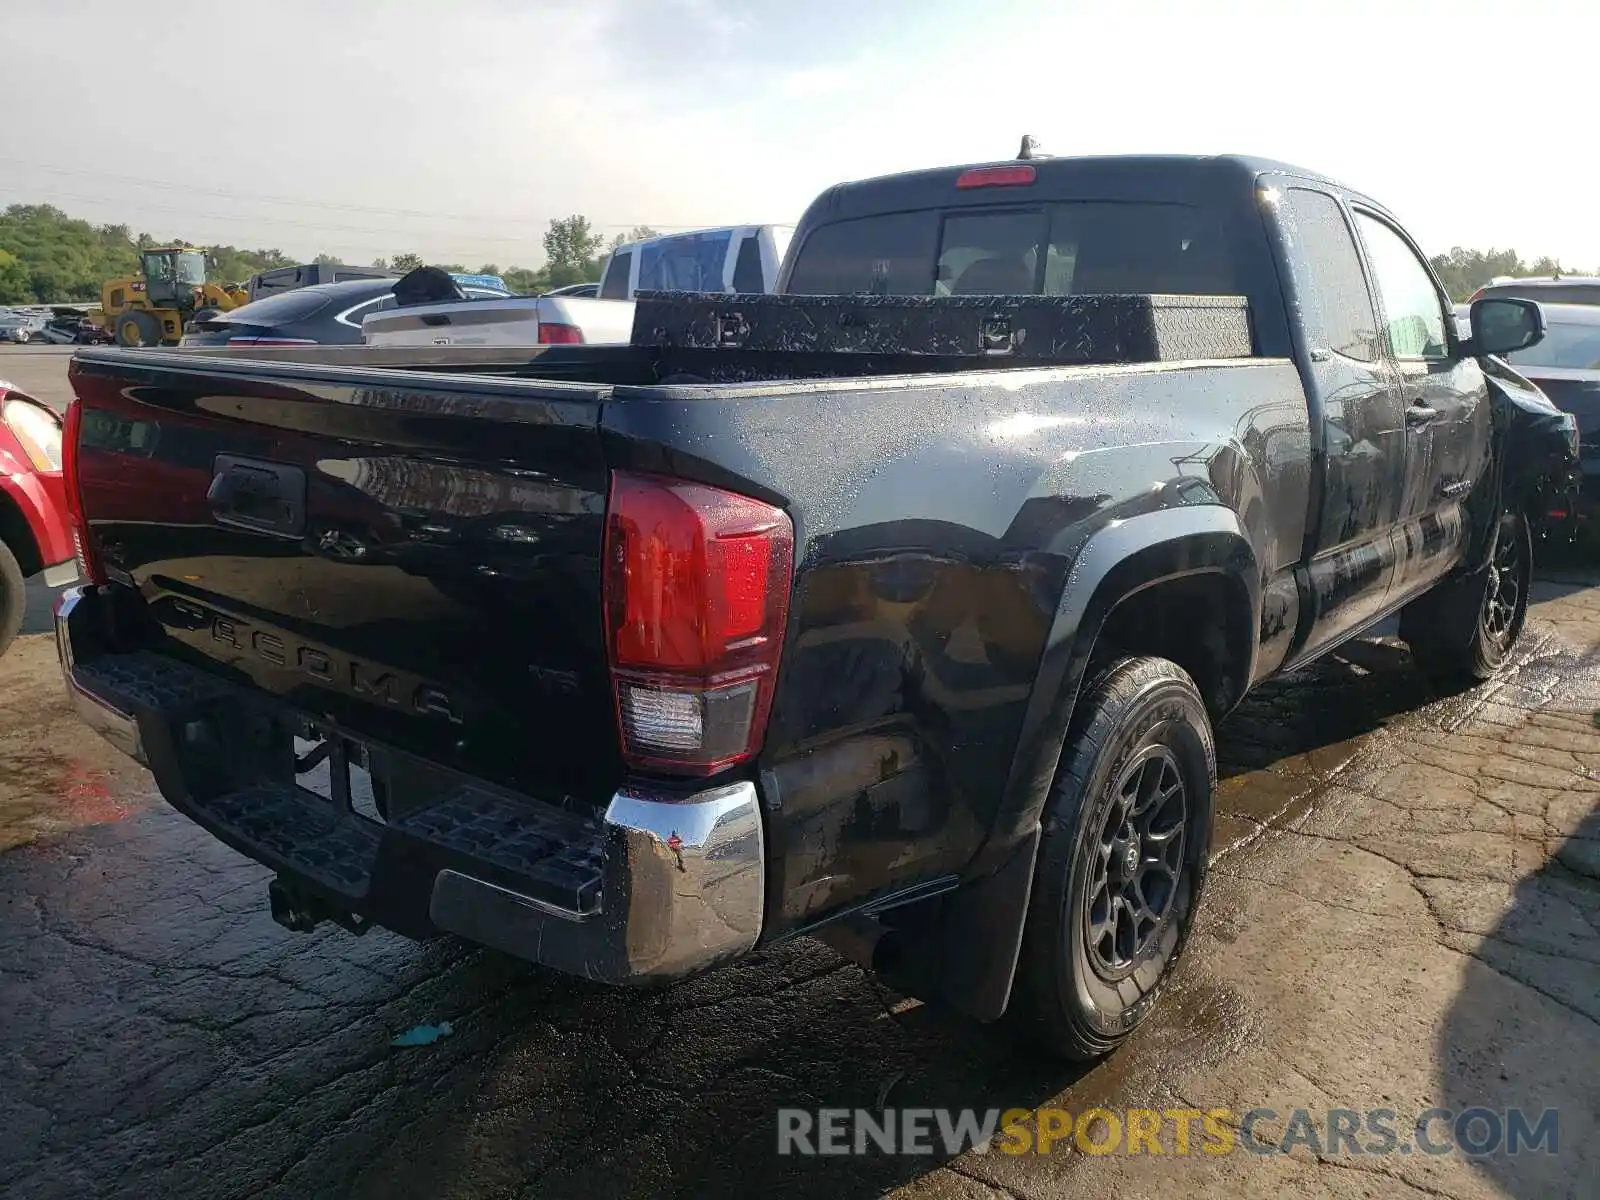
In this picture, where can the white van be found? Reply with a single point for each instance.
(734, 258)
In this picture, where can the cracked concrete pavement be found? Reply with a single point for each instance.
(1404, 912)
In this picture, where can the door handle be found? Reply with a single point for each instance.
(263, 497)
(1420, 414)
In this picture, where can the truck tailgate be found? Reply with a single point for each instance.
(367, 551)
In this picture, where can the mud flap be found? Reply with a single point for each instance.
(963, 951)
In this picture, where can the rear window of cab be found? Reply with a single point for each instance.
(1070, 248)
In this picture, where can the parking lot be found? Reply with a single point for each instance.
(39, 370)
(1404, 913)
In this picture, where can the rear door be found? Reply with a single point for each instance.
(1446, 406)
(1350, 545)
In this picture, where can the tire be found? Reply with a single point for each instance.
(13, 599)
(1091, 969)
(1463, 631)
(137, 329)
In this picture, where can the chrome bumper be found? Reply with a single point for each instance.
(682, 878)
(684, 889)
(117, 727)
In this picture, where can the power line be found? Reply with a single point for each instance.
(207, 215)
(330, 205)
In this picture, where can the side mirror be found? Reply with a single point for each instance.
(1503, 324)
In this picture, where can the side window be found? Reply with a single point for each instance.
(615, 284)
(747, 276)
(1411, 303)
(116, 298)
(1333, 291)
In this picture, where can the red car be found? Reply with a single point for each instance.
(34, 531)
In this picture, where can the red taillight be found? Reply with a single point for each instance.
(995, 177)
(83, 543)
(553, 333)
(696, 597)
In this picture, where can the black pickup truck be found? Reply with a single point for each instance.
(894, 608)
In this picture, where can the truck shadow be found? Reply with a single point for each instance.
(1520, 1042)
(682, 1093)
(1304, 723)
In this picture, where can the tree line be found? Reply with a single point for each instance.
(1465, 271)
(47, 256)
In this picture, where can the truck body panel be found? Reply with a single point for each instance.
(1020, 419)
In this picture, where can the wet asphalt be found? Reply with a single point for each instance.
(1404, 911)
(1406, 906)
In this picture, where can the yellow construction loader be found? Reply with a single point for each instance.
(153, 308)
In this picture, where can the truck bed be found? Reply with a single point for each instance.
(437, 584)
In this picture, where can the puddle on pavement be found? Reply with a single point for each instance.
(1198, 1024)
(56, 775)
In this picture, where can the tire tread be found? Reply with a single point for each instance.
(13, 597)
(1036, 1011)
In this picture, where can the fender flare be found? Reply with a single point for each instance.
(972, 961)
(1117, 562)
(26, 524)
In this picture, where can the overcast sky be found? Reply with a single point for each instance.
(458, 128)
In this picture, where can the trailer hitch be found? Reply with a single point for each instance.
(300, 911)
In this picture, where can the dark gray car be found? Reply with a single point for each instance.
(325, 314)
(1566, 289)
(1566, 366)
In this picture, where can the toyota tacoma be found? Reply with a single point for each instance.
(896, 607)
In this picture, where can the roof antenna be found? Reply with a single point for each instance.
(1031, 148)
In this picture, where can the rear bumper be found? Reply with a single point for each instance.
(658, 887)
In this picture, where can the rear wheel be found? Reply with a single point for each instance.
(13, 600)
(1463, 631)
(138, 329)
(1122, 860)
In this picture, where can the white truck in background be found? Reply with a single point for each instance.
(732, 258)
